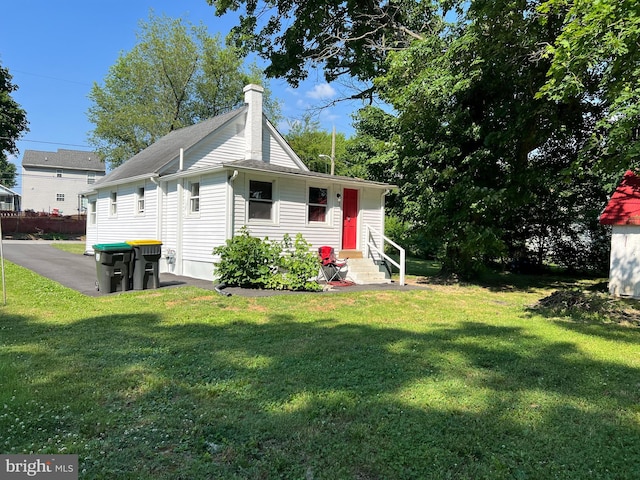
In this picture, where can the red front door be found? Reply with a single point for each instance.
(349, 219)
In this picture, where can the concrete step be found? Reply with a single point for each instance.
(365, 271)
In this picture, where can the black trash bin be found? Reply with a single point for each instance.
(146, 255)
(113, 262)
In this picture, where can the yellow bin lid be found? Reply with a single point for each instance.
(134, 243)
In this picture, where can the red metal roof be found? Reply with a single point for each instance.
(624, 205)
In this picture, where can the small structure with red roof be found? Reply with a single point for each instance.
(623, 214)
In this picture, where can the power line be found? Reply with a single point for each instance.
(51, 78)
(50, 143)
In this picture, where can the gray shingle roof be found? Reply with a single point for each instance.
(156, 156)
(63, 158)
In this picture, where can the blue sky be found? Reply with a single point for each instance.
(55, 51)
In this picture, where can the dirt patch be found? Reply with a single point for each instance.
(584, 305)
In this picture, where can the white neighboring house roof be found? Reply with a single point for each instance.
(8, 191)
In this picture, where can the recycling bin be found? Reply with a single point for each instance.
(146, 255)
(113, 262)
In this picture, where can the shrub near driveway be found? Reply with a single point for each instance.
(452, 382)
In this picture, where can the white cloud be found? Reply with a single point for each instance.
(291, 91)
(322, 91)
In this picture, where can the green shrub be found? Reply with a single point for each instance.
(247, 261)
(297, 267)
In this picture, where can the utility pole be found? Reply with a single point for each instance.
(333, 152)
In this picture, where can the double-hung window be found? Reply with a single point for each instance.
(92, 212)
(194, 197)
(317, 205)
(260, 200)
(140, 201)
(113, 205)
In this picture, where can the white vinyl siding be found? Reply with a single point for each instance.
(276, 151)
(203, 233)
(126, 225)
(170, 215)
(292, 213)
(223, 146)
(625, 250)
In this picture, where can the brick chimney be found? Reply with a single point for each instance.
(253, 129)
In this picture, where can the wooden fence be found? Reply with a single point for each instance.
(14, 224)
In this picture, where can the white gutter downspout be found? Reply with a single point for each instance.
(159, 203)
(231, 205)
(180, 225)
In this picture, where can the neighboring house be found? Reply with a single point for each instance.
(623, 214)
(196, 187)
(9, 200)
(52, 181)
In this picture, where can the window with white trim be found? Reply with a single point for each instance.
(194, 197)
(59, 173)
(113, 206)
(140, 200)
(260, 200)
(92, 212)
(59, 197)
(91, 178)
(317, 205)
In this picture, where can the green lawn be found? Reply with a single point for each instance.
(460, 382)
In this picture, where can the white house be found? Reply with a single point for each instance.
(52, 181)
(9, 200)
(197, 186)
(623, 214)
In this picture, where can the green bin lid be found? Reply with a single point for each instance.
(111, 247)
(138, 243)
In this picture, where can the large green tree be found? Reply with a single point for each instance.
(597, 57)
(13, 123)
(175, 76)
(488, 167)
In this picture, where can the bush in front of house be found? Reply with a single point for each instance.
(250, 262)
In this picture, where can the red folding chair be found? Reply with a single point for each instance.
(331, 268)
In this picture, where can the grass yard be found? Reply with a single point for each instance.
(460, 382)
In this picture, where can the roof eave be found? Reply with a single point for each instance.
(313, 175)
(123, 181)
(67, 167)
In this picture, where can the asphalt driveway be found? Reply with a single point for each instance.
(78, 272)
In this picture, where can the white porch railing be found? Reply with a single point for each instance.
(374, 246)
